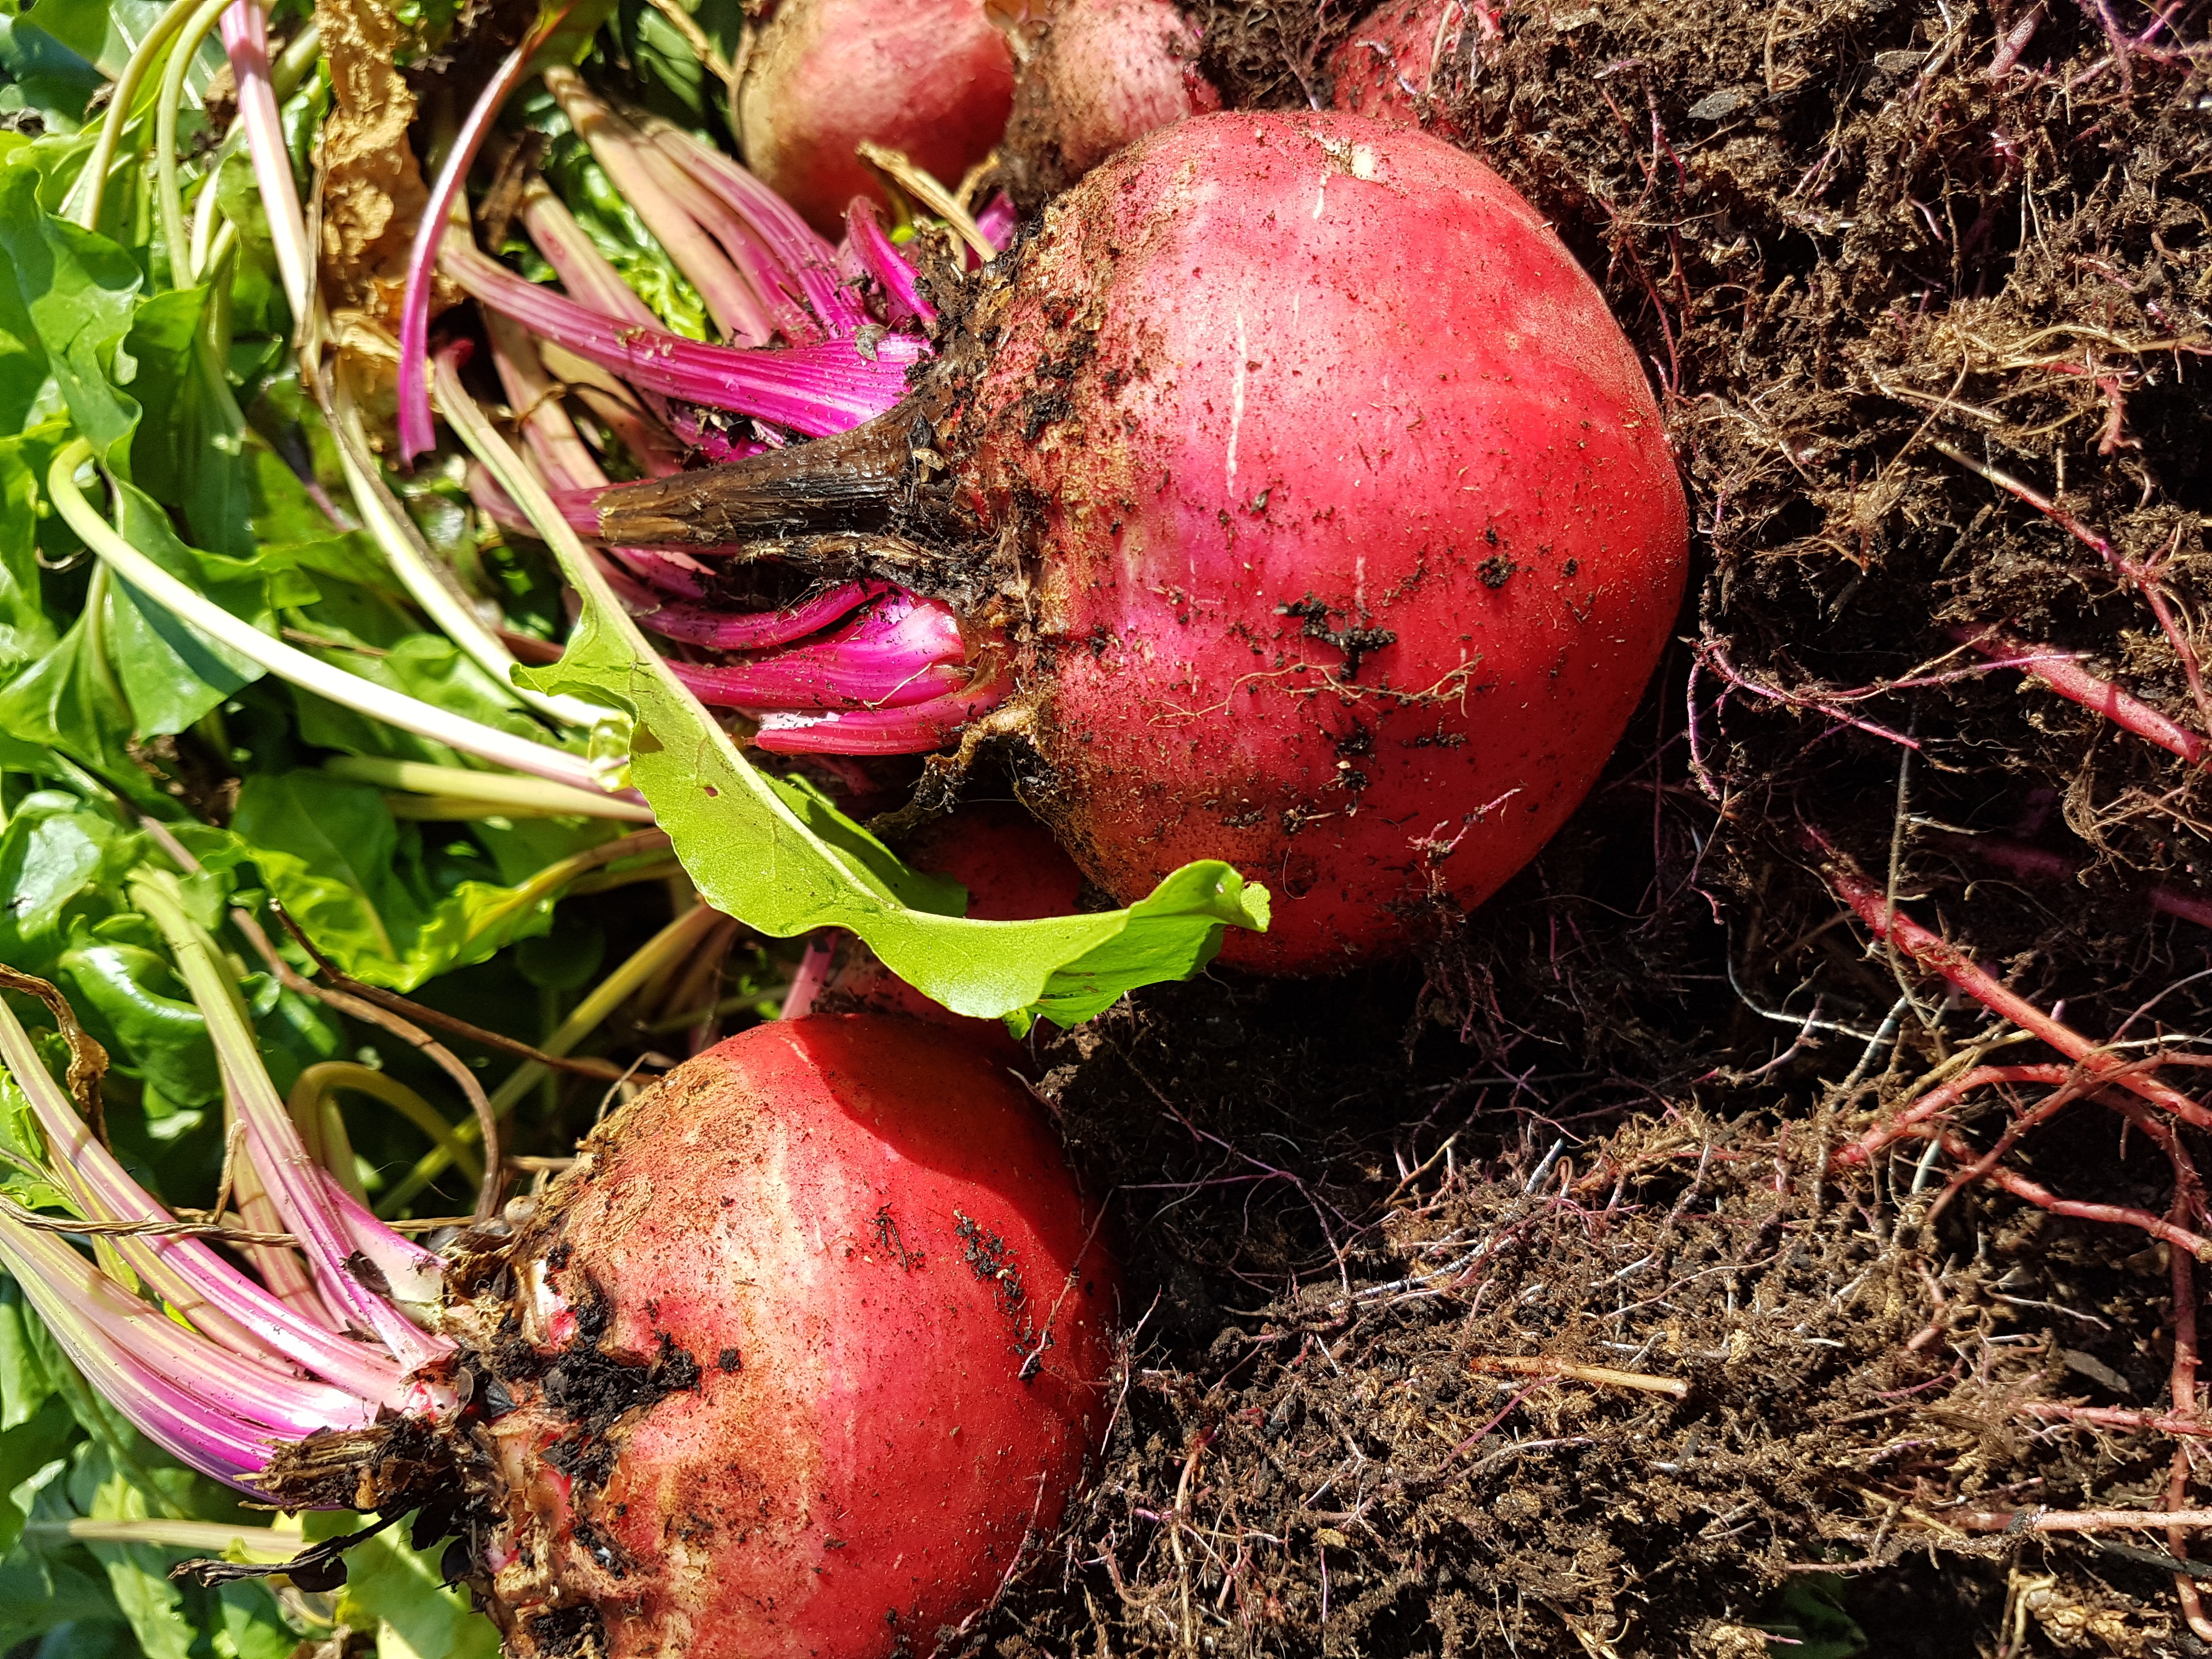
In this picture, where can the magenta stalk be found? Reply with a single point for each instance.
(817, 389)
(811, 263)
(918, 729)
(577, 261)
(901, 650)
(753, 630)
(245, 44)
(416, 434)
(880, 257)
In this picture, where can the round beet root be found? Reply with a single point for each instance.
(1358, 534)
(933, 78)
(1106, 73)
(810, 1337)
(1322, 512)
(1401, 56)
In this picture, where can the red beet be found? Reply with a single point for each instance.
(812, 1336)
(1105, 73)
(933, 78)
(1360, 534)
(1399, 60)
(1348, 530)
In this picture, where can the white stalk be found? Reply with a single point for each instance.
(292, 666)
(491, 789)
(182, 272)
(91, 183)
(418, 569)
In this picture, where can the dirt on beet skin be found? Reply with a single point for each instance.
(1926, 290)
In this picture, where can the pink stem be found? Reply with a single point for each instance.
(416, 433)
(560, 456)
(2015, 42)
(915, 730)
(998, 219)
(880, 257)
(809, 262)
(245, 43)
(818, 389)
(708, 437)
(649, 446)
(561, 452)
(576, 260)
(2035, 863)
(618, 147)
(756, 630)
(811, 977)
(899, 650)
(648, 580)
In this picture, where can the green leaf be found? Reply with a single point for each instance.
(252, 1627)
(43, 76)
(138, 1577)
(25, 1448)
(25, 1387)
(57, 859)
(171, 673)
(70, 702)
(72, 292)
(26, 633)
(360, 884)
(782, 860)
(37, 1595)
(105, 33)
(193, 458)
(395, 1591)
(123, 996)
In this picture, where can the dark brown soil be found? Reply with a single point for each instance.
(1875, 255)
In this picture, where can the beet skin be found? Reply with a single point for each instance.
(932, 78)
(812, 1335)
(1356, 530)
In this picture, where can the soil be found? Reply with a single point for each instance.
(1898, 266)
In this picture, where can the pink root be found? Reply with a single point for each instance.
(1940, 956)
(2061, 671)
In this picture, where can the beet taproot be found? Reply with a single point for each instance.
(813, 1335)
